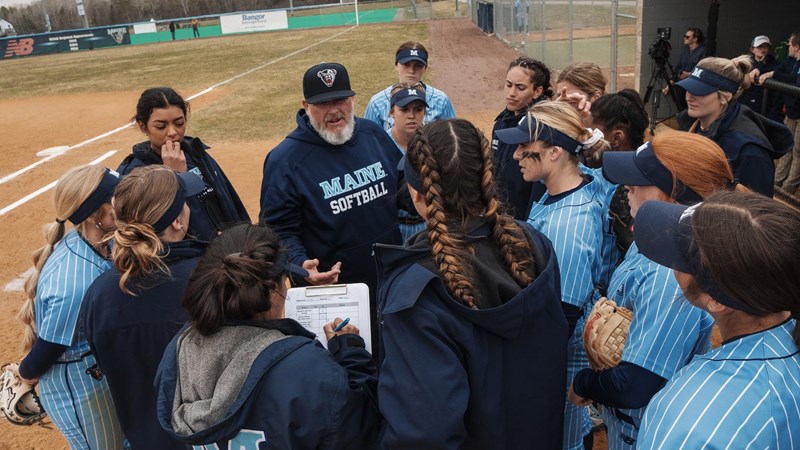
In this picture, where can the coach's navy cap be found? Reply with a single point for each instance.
(664, 234)
(703, 82)
(405, 96)
(411, 54)
(325, 82)
(642, 168)
(96, 199)
(189, 184)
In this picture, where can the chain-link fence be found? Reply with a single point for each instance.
(560, 32)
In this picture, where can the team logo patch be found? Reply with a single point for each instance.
(697, 72)
(328, 76)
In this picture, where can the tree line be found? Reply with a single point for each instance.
(63, 14)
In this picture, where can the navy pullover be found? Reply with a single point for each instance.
(128, 335)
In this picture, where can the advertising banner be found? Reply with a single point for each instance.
(257, 21)
(63, 41)
(144, 27)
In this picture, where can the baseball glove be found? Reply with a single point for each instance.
(605, 332)
(18, 401)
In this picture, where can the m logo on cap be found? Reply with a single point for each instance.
(328, 76)
(414, 53)
(697, 72)
(412, 92)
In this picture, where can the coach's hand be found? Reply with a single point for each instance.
(316, 277)
(173, 156)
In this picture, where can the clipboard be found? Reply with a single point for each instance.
(314, 306)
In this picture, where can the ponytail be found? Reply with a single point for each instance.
(136, 254)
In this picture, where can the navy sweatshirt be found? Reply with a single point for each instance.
(332, 202)
(128, 335)
(212, 210)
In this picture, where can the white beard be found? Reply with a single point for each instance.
(331, 137)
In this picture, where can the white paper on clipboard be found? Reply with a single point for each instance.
(314, 306)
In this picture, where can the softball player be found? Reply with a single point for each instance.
(746, 393)
(573, 214)
(411, 62)
(78, 404)
(666, 331)
(407, 109)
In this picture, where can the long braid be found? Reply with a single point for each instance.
(451, 255)
(507, 234)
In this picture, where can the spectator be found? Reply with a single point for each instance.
(330, 188)
(162, 115)
(787, 174)
(411, 63)
(694, 50)
(241, 376)
(465, 308)
(750, 141)
(172, 26)
(195, 28)
(761, 61)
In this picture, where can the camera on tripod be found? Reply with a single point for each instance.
(659, 50)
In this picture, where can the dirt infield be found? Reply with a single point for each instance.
(465, 63)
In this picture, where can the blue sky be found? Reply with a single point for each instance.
(15, 2)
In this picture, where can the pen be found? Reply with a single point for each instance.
(341, 325)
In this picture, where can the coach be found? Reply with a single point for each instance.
(330, 188)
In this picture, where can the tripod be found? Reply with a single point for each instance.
(659, 77)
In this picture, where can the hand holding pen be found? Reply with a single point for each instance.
(339, 326)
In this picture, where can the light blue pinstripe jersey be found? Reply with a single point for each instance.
(80, 406)
(439, 107)
(576, 225)
(406, 230)
(64, 279)
(666, 331)
(744, 394)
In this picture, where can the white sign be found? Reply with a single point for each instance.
(145, 27)
(255, 21)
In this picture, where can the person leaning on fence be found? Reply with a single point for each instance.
(749, 140)
(527, 83)
(411, 63)
(761, 61)
(734, 256)
(787, 173)
(330, 189)
(472, 332)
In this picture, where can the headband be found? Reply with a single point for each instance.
(189, 184)
(102, 194)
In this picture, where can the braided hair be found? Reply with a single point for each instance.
(454, 161)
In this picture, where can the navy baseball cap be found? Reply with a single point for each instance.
(96, 199)
(664, 234)
(642, 168)
(405, 96)
(527, 129)
(703, 82)
(189, 184)
(325, 82)
(411, 54)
